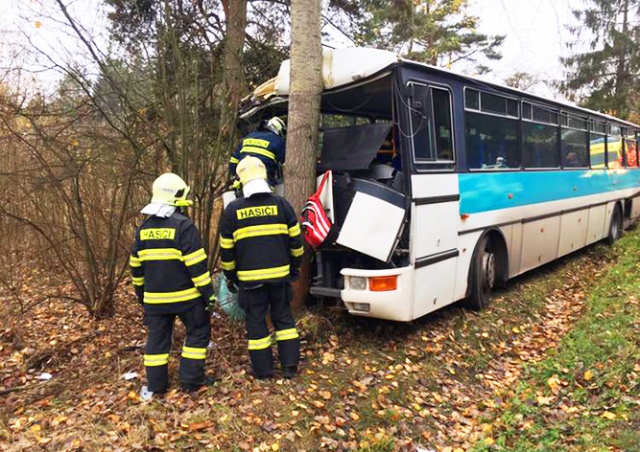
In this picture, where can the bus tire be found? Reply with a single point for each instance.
(483, 276)
(615, 227)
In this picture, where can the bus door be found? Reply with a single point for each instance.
(435, 206)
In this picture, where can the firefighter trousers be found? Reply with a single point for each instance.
(194, 350)
(257, 302)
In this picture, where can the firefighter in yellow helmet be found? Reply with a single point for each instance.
(261, 249)
(267, 144)
(170, 276)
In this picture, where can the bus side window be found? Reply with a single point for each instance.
(432, 126)
(420, 123)
(491, 142)
(630, 149)
(442, 123)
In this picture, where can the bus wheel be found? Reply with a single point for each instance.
(615, 228)
(483, 275)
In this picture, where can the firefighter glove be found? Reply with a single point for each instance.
(211, 303)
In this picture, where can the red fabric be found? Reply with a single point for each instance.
(316, 226)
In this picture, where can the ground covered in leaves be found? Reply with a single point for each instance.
(552, 365)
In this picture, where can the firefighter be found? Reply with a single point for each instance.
(261, 249)
(170, 276)
(268, 144)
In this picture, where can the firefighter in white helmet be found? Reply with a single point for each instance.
(170, 276)
(267, 144)
(261, 249)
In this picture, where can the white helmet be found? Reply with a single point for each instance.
(169, 189)
(253, 176)
(276, 125)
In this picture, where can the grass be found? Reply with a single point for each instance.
(584, 396)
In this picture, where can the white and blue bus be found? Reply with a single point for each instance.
(444, 186)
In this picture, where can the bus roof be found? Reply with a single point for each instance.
(357, 65)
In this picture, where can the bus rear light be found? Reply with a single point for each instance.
(383, 283)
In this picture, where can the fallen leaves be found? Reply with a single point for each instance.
(438, 383)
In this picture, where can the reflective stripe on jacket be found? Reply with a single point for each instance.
(260, 240)
(168, 263)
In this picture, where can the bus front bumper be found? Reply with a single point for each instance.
(381, 294)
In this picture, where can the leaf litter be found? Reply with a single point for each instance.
(434, 384)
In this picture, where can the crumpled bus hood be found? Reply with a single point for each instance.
(340, 67)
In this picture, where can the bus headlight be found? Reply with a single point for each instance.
(357, 283)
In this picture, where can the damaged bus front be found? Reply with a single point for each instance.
(368, 264)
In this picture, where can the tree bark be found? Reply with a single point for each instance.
(233, 84)
(304, 114)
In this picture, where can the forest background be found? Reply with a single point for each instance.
(154, 86)
(161, 89)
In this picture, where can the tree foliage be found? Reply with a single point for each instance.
(438, 32)
(606, 77)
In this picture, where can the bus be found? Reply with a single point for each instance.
(443, 186)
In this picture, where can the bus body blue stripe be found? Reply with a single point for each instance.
(486, 191)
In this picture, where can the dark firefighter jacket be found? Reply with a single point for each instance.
(169, 265)
(260, 240)
(263, 144)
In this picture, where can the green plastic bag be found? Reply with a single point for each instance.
(228, 301)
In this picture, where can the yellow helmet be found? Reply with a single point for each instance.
(251, 168)
(169, 189)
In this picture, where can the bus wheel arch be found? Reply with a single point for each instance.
(615, 225)
(489, 269)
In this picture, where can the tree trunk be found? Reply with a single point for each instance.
(622, 83)
(304, 114)
(232, 88)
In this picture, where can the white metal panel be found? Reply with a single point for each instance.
(573, 231)
(635, 207)
(607, 218)
(597, 220)
(540, 242)
(341, 67)
(514, 249)
(371, 226)
(428, 185)
(432, 231)
(466, 246)
(390, 305)
(434, 287)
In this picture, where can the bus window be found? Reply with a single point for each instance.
(331, 121)
(540, 139)
(631, 150)
(420, 124)
(597, 144)
(575, 142)
(431, 126)
(615, 156)
(540, 145)
(442, 123)
(491, 142)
